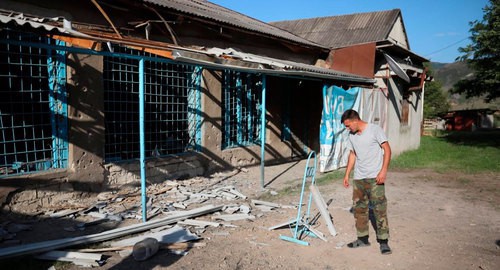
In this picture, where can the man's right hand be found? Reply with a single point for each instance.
(346, 182)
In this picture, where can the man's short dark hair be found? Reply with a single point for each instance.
(349, 114)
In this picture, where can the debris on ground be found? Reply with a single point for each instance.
(172, 201)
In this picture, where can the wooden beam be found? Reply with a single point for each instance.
(164, 53)
(422, 80)
(80, 42)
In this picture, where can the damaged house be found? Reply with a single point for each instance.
(98, 93)
(375, 45)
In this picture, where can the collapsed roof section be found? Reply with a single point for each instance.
(60, 28)
(207, 10)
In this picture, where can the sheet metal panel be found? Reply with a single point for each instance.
(359, 59)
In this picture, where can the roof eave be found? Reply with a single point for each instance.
(389, 44)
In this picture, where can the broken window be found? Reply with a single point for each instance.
(171, 108)
(33, 108)
(241, 108)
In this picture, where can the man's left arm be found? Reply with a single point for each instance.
(382, 175)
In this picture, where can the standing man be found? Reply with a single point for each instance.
(369, 155)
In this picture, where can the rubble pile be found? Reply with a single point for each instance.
(178, 212)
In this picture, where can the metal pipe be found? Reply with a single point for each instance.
(107, 18)
(263, 130)
(142, 140)
(308, 75)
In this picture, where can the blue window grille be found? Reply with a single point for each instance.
(241, 108)
(172, 107)
(33, 108)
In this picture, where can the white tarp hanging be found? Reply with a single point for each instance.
(374, 107)
(333, 135)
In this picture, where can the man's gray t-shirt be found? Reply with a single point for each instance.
(368, 150)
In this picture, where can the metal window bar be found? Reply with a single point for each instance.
(241, 108)
(172, 103)
(33, 109)
(194, 109)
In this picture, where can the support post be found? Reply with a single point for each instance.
(263, 130)
(142, 140)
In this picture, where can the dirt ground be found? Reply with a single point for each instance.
(437, 221)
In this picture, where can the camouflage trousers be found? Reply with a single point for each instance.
(368, 196)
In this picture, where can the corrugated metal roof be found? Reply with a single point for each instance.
(210, 11)
(243, 60)
(37, 25)
(344, 30)
(266, 65)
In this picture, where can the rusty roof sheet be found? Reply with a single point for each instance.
(344, 30)
(210, 11)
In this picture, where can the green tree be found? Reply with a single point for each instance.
(483, 56)
(435, 102)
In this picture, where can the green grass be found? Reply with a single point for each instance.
(330, 177)
(296, 188)
(459, 152)
(465, 152)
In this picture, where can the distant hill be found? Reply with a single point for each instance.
(450, 73)
(437, 65)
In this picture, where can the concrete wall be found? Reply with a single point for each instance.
(307, 103)
(402, 137)
(85, 121)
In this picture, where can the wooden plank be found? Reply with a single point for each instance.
(322, 207)
(80, 42)
(164, 53)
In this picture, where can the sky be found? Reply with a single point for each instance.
(435, 28)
